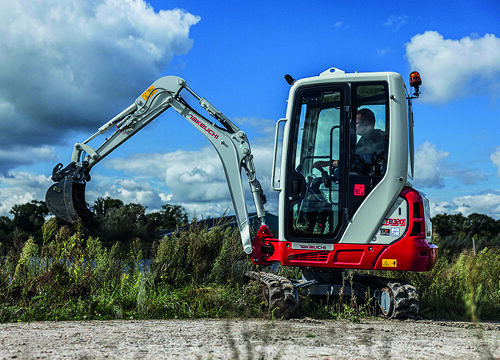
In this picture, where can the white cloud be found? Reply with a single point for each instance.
(454, 68)
(396, 21)
(190, 175)
(443, 207)
(383, 52)
(485, 203)
(69, 64)
(21, 187)
(495, 158)
(264, 128)
(130, 191)
(21, 155)
(429, 165)
(432, 167)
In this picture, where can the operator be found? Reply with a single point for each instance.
(372, 140)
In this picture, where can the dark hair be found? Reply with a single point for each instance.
(367, 115)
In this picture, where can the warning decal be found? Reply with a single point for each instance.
(389, 263)
(147, 94)
(359, 189)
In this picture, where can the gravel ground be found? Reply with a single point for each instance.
(249, 339)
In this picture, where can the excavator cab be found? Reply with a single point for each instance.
(337, 154)
(346, 198)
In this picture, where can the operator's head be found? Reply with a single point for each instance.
(365, 121)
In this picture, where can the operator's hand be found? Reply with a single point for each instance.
(320, 164)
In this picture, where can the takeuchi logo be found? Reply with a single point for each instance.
(313, 247)
(203, 126)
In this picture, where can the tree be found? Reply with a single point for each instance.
(445, 225)
(123, 224)
(6, 228)
(456, 231)
(103, 205)
(169, 217)
(480, 224)
(29, 218)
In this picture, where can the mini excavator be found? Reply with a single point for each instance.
(345, 183)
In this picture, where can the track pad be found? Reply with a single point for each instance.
(66, 200)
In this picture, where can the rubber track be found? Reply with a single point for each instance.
(413, 301)
(405, 300)
(281, 296)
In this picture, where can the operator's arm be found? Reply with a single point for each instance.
(324, 163)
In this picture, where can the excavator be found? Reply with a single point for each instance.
(345, 172)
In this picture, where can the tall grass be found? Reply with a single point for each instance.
(70, 277)
(463, 287)
(198, 273)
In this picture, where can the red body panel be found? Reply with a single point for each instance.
(410, 253)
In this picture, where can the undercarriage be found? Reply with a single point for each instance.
(395, 299)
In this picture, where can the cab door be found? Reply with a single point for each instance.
(369, 141)
(316, 173)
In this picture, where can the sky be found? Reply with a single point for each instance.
(67, 67)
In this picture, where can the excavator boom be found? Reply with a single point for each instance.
(66, 198)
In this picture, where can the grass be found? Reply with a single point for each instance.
(198, 273)
(191, 275)
(464, 287)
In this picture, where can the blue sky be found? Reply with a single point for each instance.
(68, 67)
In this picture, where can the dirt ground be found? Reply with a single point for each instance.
(250, 339)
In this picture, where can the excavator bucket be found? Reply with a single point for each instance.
(66, 200)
